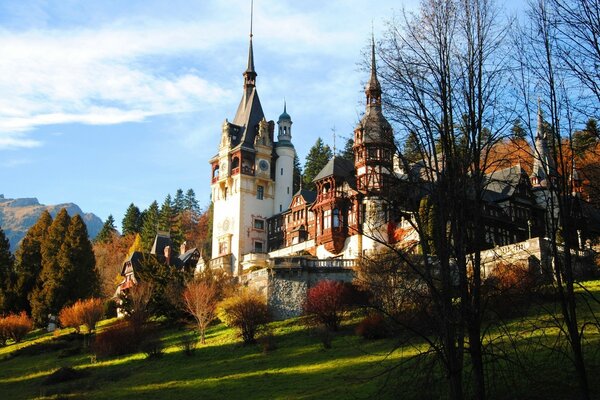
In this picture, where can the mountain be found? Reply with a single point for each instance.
(18, 215)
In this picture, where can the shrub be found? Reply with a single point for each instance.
(200, 299)
(92, 311)
(69, 318)
(117, 340)
(83, 312)
(326, 303)
(3, 332)
(373, 326)
(247, 311)
(15, 327)
(508, 288)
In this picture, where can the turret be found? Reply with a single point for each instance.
(284, 166)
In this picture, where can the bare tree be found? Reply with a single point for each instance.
(201, 298)
(443, 79)
(542, 49)
(577, 32)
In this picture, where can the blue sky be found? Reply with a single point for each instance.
(104, 103)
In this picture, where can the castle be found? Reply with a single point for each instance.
(259, 222)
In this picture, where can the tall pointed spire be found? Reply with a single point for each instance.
(540, 121)
(250, 73)
(373, 89)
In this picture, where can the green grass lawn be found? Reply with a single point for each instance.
(526, 366)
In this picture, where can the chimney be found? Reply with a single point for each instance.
(168, 254)
(183, 248)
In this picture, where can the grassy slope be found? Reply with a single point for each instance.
(298, 369)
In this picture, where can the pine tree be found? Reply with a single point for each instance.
(132, 221)
(7, 263)
(166, 215)
(178, 202)
(108, 230)
(48, 286)
(348, 152)
(517, 130)
(587, 138)
(297, 173)
(318, 156)
(206, 224)
(150, 226)
(190, 202)
(29, 263)
(412, 148)
(78, 275)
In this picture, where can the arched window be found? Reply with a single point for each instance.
(216, 172)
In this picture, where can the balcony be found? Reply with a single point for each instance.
(222, 262)
(309, 263)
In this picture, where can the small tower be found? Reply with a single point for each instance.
(373, 140)
(284, 166)
(242, 181)
(543, 164)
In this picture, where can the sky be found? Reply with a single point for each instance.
(105, 103)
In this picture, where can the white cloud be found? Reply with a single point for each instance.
(16, 140)
(95, 77)
(129, 70)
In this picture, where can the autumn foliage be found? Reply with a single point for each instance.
(83, 312)
(200, 299)
(326, 303)
(247, 311)
(15, 327)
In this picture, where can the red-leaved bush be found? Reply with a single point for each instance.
(326, 303)
(15, 327)
(83, 312)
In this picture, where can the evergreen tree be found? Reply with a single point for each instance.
(78, 276)
(7, 263)
(108, 230)
(317, 158)
(348, 152)
(297, 173)
(586, 139)
(206, 223)
(150, 226)
(190, 202)
(412, 148)
(29, 263)
(178, 202)
(517, 130)
(166, 215)
(45, 294)
(132, 221)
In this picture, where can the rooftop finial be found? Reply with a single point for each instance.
(373, 89)
(251, 16)
(333, 130)
(250, 73)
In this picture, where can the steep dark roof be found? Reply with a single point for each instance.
(185, 257)
(338, 167)
(375, 127)
(162, 240)
(308, 195)
(247, 117)
(502, 184)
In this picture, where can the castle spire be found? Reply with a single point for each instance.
(540, 121)
(250, 73)
(373, 89)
